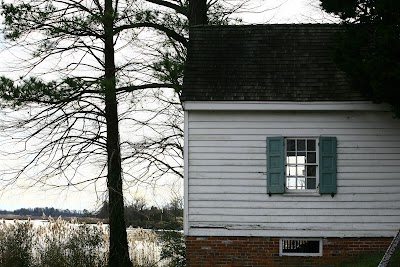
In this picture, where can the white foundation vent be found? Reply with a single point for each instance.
(300, 247)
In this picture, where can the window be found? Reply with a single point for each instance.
(301, 164)
(300, 247)
(305, 164)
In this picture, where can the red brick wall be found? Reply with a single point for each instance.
(264, 251)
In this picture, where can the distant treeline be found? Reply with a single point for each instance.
(45, 212)
(138, 214)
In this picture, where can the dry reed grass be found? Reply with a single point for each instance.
(59, 243)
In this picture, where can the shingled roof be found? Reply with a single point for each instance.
(288, 62)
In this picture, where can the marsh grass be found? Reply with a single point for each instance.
(59, 243)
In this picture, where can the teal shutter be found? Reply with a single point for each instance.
(327, 165)
(275, 165)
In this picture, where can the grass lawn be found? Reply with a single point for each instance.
(372, 260)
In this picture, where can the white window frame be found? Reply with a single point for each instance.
(299, 191)
(319, 254)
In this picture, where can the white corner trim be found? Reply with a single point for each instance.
(285, 106)
(186, 174)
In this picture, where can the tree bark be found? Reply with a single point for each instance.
(119, 253)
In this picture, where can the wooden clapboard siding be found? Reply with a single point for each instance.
(227, 192)
(385, 197)
(258, 182)
(232, 230)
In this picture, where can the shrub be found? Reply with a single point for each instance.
(16, 244)
(173, 248)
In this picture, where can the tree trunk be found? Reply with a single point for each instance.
(119, 253)
(197, 12)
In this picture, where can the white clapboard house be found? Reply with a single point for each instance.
(281, 152)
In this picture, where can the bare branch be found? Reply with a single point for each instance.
(170, 33)
(132, 88)
(178, 8)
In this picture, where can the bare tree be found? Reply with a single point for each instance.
(160, 153)
(99, 61)
(75, 117)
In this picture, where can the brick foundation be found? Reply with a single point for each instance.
(264, 251)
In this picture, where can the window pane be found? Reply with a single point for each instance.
(301, 183)
(301, 157)
(291, 170)
(311, 145)
(301, 170)
(311, 171)
(311, 157)
(291, 145)
(311, 183)
(291, 183)
(301, 145)
(291, 158)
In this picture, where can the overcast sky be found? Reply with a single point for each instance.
(258, 12)
(284, 11)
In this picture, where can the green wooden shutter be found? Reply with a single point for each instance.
(327, 165)
(275, 165)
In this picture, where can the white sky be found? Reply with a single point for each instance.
(259, 12)
(284, 11)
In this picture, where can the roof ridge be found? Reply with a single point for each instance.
(267, 25)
